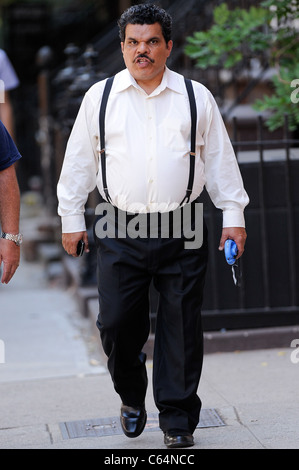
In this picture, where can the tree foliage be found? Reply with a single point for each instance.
(268, 33)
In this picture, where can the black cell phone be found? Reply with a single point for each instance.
(80, 248)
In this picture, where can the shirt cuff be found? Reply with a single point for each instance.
(73, 223)
(233, 218)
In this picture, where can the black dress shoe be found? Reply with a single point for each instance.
(132, 420)
(178, 438)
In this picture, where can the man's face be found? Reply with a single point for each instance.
(145, 53)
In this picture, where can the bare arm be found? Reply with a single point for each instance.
(9, 219)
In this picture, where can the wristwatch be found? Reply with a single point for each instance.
(14, 238)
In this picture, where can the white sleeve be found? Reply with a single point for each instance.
(223, 178)
(7, 72)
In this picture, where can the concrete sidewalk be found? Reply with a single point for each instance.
(54, 374)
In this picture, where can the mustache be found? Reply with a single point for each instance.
(144, 56)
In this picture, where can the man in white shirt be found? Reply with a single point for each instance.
(146, 170)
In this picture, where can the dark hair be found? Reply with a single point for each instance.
(145, 14)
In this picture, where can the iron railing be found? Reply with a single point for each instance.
(268, 295)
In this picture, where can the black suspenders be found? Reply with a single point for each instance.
(106, 92)
(193, 111)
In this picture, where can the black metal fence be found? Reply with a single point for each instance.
(268, 295)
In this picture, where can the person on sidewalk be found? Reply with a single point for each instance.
(142, 166)
(10, 239)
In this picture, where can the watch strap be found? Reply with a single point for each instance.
(17, 239)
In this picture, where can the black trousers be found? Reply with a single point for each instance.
(126, 267)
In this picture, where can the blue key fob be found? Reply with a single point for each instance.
(230, 251)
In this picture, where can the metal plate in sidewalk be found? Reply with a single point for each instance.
(111, 426)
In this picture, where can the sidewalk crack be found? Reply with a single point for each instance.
(49, 433)
(239, 420)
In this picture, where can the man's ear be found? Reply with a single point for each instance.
(169, 47)
(122, 47)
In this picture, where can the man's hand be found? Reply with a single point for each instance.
(238, 234)
(70, 242)
(9, 258)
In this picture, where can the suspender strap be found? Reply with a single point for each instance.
(106, 93)
(193, 110)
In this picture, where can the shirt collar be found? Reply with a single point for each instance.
(170, 80)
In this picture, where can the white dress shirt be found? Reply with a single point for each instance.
(147, 152)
